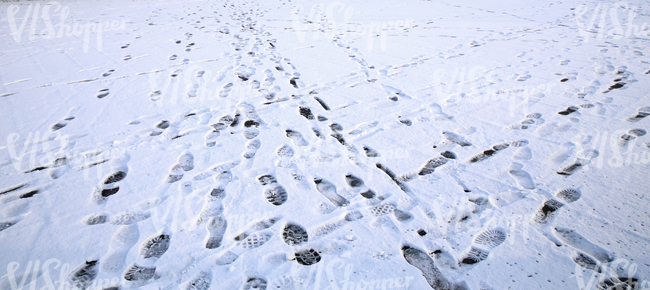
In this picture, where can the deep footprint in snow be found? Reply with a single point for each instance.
(251, 148)
(102, 93)
(322, 103)
(216, 227)
(122, 241)
(296, 138)
(421, 261)
(294, 234)
(631, 134)
(584, 261)
(568, 110)
(155, 246)
(641, 113)
(522, 177)
(273, 192)
(175, 174)
(488, 153)
(545, 213)
(328, 190)
(200, 281)
(108, 73)
(390, 208)
(307, 257)
(255, 240)
(431, 165)
(575, 240)
(136, 273)
(306, 112)
(569, 195)
(583, 158)
(481, 246)
(357, 184)
(371, 153)
(455, 138)
(84, 275)
(255, 283)
(255, 226)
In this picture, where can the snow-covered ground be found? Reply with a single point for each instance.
(471, 144)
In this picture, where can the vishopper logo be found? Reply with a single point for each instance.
(48, 30)
(619, 274)
(193, 84)
(617, 149)
(56, 152)
(338, 274)
(52, 274)
(612, 27)
(334, 21)
(478, 84)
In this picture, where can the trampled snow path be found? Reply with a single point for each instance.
(308, 145)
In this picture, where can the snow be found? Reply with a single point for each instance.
(324, 145)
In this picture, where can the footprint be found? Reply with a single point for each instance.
(122, 241)
(102, 93)
(58, 168)
(322, 103)
(583, 158)
(200, 281)
(108, 73)
(255, 240)
(522, 153)
(307, 257)
(421, 261)
(522, 177)
(363, 127)
(569, 195)
(488, 153)
(175, 174)
(216, 227)
(213, 206)
(84, 275)
(306, 112)
(585, 261)
(273, 192)
(545, 213)
(155, 246)
(641, 113)
(255, 283)
(431, 165)
(154, 95)
(296, 138)
(251, 148)
(371, 153)
(390, 208)
(294, 234)
(578, 242)
(456, 139)
(328, 190)
(631, 134)
(481, 246)
(358, 184)
(136, 273)
(568, 110)
(250, 133)
(6, 223)
(126, 57)
(256, 226)
(334, 224)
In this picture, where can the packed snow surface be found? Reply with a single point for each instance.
(471, 144)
